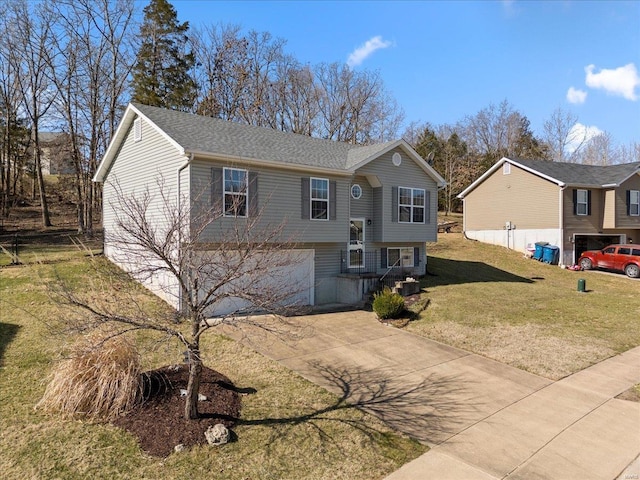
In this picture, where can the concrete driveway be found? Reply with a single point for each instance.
(482, 419)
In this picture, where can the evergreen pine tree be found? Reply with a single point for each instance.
(162, 72)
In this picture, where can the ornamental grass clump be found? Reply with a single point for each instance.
(100, 380)
(388, 305)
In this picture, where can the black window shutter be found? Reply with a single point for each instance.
(575, 201)
(394, 204)
(416, 256)
(383, 258)
(427, 207)
(628, 202)
(253, 194)
(216, 189)
(332, 200)
(305, 207)
(588, 202)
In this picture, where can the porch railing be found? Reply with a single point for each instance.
(358, 262)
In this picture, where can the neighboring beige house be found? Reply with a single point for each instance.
(576, 207)
(55, 154)
(356, 212)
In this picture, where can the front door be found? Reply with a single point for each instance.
(356, 243)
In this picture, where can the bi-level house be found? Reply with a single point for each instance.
(575, 207)
(357, 212)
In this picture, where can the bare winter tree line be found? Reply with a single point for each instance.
(66, 66)
(464, 151)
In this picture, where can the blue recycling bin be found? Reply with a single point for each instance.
(539, 252)
(550, 254)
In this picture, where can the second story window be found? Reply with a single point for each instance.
(319, 199)
(582, 202)
(235, 192)
(634, 203)
(411, 205)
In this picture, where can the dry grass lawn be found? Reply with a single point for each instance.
(289, 429)
(494, 302)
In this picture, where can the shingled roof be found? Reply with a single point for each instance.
(567, 174)
(596, 176)
(207, 135)
(213, 137)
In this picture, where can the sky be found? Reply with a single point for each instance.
(445, 60)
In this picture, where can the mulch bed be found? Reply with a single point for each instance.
(159, 422)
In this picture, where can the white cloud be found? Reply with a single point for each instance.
(620, 81)
(581, 134)
(575, 95)
(366, 50)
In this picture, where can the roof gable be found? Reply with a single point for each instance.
(211, 137)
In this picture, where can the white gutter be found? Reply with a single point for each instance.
(270, 163)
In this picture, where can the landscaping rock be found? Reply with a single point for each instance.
(217, 434)
(178, 448)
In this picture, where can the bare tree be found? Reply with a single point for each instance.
(354, 106)
(196, 259)
(561, 137)
(630, 153)
(29, 40)
(221, 54)
(295, 99)
(599, 150)
(15, 135)
(89, 74)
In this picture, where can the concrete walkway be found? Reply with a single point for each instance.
(482, 419)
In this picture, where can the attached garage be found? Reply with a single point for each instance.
(584, 242)
(291, 280)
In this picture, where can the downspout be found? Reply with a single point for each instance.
(561, 224)
(179, 172)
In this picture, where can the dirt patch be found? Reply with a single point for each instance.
(158, 422)
(632, 395)
(528, 347)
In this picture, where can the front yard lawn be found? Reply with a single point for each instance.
(494, 302)
(288, 429)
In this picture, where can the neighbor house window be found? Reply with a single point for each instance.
(235, 192)
(400, 257)
(319, 198)
(411, 205)
(634, 203)
(582, 202)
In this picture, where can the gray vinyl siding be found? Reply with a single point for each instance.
(376, 223)
(418, 269)
(279, 200)
(138, 167)
(362, 207)
(408, 174)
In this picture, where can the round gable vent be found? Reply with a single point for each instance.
(396, 159)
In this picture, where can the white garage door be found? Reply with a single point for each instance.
(293, 282)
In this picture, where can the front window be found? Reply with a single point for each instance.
(235, 192)
(411, 205)
(319, 199)
(582, 202)
(634, 203)
(400, 257)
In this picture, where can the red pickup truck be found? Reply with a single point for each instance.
(622, 258)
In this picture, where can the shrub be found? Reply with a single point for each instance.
(387, 304)
(100, 380)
